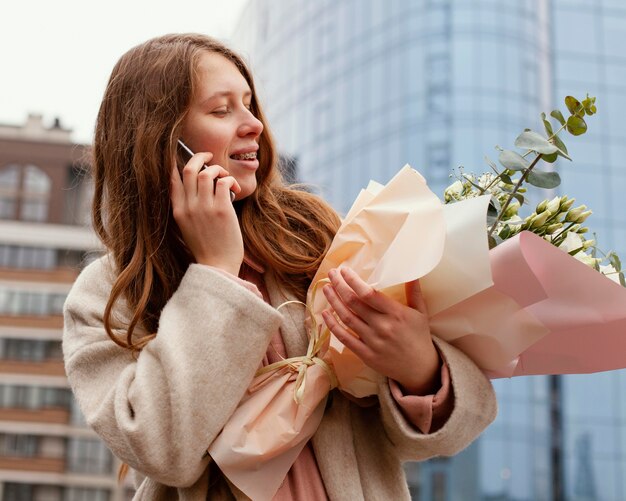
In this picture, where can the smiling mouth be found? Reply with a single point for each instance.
(244, 156)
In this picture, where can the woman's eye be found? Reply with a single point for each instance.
(221, 112)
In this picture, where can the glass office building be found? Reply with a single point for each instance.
(592, 59)
(354, 89)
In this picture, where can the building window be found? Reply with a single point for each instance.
(39, 258)
(24, 193)
(85, 494)
(31, 350)
(87, 455)
(18, 492)
(18, 445)
(35, 194)
(18, 303)
(9, 189)
(34, 397)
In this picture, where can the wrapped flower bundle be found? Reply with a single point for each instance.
(518, 296)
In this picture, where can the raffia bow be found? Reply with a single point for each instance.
(318, 338)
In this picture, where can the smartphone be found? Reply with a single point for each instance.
(188, 154)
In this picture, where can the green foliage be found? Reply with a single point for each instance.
(554, 220)
(547, 180)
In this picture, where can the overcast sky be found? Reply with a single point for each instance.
(56, 56)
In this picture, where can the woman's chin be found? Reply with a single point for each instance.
(247, 189)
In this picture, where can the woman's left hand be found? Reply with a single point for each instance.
(393, 339)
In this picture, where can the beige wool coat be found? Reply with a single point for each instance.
(159, 411)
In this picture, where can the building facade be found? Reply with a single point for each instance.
(47, 452)
(354, 89)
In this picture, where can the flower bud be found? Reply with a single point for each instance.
(553, 205)
(589, 243)
(553, 228)
(567, 203)
(574, 214)
(541, 206)
(582, 230)
(512, 209)
(540, 220)
(583, 216)
(528, 221)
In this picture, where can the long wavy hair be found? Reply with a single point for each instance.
(140, 119)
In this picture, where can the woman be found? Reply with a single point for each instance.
(164, 334)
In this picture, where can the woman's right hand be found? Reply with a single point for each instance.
(205, 215)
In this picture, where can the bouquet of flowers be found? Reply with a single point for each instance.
(517, 295)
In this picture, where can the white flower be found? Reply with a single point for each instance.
(571, 242)
(553, 205)
(610, 272)
(455, 188)
(588, 260)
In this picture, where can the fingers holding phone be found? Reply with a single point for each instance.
(204, 213)
(188, 155)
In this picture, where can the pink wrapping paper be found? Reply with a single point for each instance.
(267, 432)
(583, 311)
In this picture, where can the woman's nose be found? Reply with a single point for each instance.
(251, 126)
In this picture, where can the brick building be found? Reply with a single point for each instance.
(47, 453)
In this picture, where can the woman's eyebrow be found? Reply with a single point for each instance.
(224, 93)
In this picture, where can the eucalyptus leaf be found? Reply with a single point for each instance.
(546, 180)
(589, 105)
(505, 232)
(519, 198)
(547, 125)
(512, 160)
(621, 279)
(574, 106)
(573, 252)
(530, 140)
(551, 158)
(558, 115)
(561, 146)
(576, 125)
(491, 164)
(615, 261)
(506, 178)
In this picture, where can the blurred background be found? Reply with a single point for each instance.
(353, 89)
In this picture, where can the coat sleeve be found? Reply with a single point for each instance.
(475, 407)
(160, 410)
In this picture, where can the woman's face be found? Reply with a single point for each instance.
(220, 121)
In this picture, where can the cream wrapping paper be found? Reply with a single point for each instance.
(402, 232)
